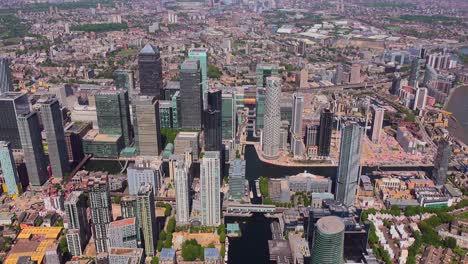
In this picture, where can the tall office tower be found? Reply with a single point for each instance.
(298, 108)
(6, 81)
(414, 73)
(325, 133)
(10, 173)
(338, 78)
(430, 74)
(181, 182)
(201, 54)
(191, 96)
(53, 126)
(123, 233)
(147, 218)
(348, 168)
(264, 71)
(113, 114)
(12, 104)
(146, 123)
(377, 124)
(101, 210)
(212, 121)
(311, 135)
(210, 179)
(271, 131)
(150, 69)
(175, 104)
(441, 162)
(297, 146)
(145, 172)
(420, 99)
(396, 84)
(328, 244)
(260, 108)
(78, 226)
(355, 74)
(31, 140)
(228, 116)
(124, 79)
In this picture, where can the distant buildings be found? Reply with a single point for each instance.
(147, 125)
(348, 168)
(10, 173)
(263, 71)
(31, 140)
(396, 84)
(150, 69)
(210, 179)
(6, 81)
(441, 162)
(328, 243)
(191, 96)
(101, 210)
(53, 126)
(271, 131)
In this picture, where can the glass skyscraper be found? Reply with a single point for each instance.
(12, 105)
(348, 168)
(201, 54)
(325, 133)
(146, 123)
(271, 131)
(9, 170)
(6, 81)
(191, 95)
(124, 79)
(212, 120)
(441, 162)
(150, 69)
(228, 116)
(328, 243)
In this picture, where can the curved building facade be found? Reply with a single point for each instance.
(272, 119)
(328, 241)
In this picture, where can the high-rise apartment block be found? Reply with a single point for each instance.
(191, 95)
(31, 140)
(271, 131)
(147, 125)
(77, 220)
(348, 168)
(150, 69)
(123, 233)
(441, 162)
(147, 218)
(210, 179)
(145, 171)
(53, 125)
(101, 210)
(182, 187)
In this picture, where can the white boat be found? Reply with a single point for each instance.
(257, 187)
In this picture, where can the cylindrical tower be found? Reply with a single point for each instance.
(328, 241)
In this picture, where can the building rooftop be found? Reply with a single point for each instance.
(172, 85)
(122, 223)
(10, 95)
(149, 49)
(167, 254)
(211, 253)
(73, 197)
(190, 64)
(330, 225)
(185, 134)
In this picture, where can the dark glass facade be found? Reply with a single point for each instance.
(150, 70)
(191, 100)
(325, 133)
(11, 105)
(212, 120)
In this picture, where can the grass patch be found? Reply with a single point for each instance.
(99, 27)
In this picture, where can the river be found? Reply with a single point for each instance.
(458, 105)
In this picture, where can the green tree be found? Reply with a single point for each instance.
(63, 246)
(171, 225)
(160, 245)
(155, 260)
(162, 235)
(214, 72)
(191, 250)
(450, 242)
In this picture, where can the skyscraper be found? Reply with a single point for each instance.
(201, 54)
(228, 116)
(263, 71)
(298, 108)
(123, 233)
(212, 121)
(101, 210)
(12, 105)
(396, 84)
(338, 78)
(260, 108)
(146, 123)
(328, 243)
(6, 81)
(414, 73)
(271, 131)
(123, 79)
(147, 218)
(145, 171)
(441, 162)
(311, 135)
(210, 179)
(348, 168)
(325, 133)
(191, 95)
(113, 114)
(150, 69)
(129, 209)
(9, 170)
(420, 98)
(53, 126)
(181, 182)
(377, 123)
(78, 226)
(31, 140)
